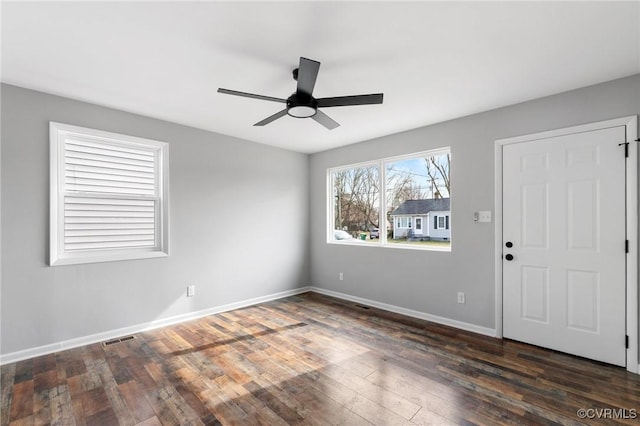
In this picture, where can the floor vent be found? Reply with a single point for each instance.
(120, 340)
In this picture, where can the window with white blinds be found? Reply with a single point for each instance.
(108, 196)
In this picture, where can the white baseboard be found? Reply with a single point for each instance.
(408, 312)
(107, 335)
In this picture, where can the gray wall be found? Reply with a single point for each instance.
(238, 221)
(396, 276)
(229, 198)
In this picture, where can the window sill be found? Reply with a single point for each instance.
(401, 246)
(75, 260)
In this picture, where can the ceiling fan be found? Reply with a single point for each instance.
(302, 104)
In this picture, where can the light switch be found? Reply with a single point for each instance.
(484, 216)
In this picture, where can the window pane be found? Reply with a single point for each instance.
(418, 192)
(356, 202)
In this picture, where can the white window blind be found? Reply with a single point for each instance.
(108, 196)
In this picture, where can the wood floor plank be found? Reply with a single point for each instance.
(313, 360)
(158, 399)
(134, 398)
(25, 421)
(23, 371)
(154, 421)
(45, 380)
(44, 364)
(224, 408)
(102, 418)
(7, 374)
(117, 402)
(425, 417)
(378, 394)
(22, 401)
(62, 406)
(41, 407)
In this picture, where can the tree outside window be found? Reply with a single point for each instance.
(359, 192)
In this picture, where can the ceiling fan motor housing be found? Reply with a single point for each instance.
(300, 105)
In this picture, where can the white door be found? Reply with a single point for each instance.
(564, 218)
(418, 226)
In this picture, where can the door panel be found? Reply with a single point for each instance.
(583, 225)
(535, 294)
(564, 212)
(534, 216)
(583, 300)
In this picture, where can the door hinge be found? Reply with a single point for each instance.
(626, 246)
(626, 148)
(626, 342)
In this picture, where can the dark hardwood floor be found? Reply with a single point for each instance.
(312, 359)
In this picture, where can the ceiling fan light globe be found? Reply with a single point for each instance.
(301, 111)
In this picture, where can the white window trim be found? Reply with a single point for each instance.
(445, 218)
(404, 222)
(58, 132)
(380, 164)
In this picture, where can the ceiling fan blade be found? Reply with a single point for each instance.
(250, 95)
(325, 120)
(271, 118)
(375, 98)
(307, 75)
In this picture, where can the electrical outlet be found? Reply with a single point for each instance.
(340, 276)
(460, 297)
(191, 290)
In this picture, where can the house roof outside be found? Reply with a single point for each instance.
(417, 207)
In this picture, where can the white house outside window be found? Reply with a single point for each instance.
(109, 196)
(391, 202)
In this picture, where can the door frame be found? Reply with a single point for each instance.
(632, 317)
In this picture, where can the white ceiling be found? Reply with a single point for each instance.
(434, 61)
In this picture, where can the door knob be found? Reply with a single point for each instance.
(509, 257)
(509, 244)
